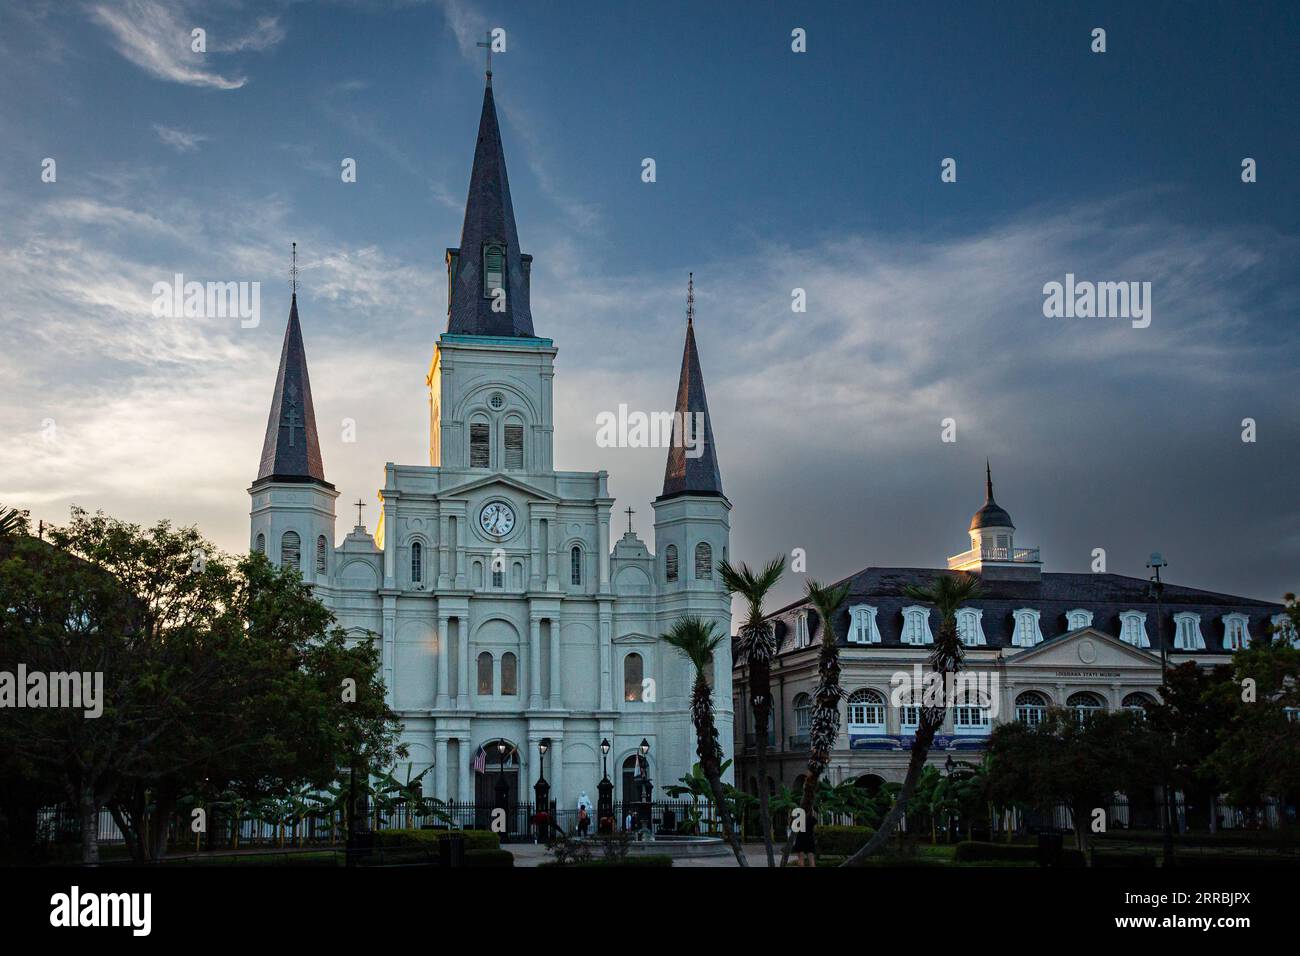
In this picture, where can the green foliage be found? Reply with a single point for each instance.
(840, 840)
(474, 839)
(485, 857)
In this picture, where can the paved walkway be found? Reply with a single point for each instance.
(531, 854)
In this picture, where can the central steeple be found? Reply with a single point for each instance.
(487, 277)
(692, 464)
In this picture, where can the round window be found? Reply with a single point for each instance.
(497, 400)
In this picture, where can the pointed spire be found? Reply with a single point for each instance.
(992, 515)
(687, 475)
(988, 479)
(291, 451)
(489, 235)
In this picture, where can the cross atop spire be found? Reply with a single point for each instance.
(690, 298)
(488, 45)
(293, 271)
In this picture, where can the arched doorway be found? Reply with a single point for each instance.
(496, 773)
(631, 780)
(870, 782)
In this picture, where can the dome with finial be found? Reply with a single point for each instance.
(992, 515)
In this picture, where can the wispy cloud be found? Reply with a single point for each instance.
(157, 37)
(179, 139)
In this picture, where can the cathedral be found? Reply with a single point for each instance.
(505, 613)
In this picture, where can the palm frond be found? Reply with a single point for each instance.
(752, 585)
(696, 639)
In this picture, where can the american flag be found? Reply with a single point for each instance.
(479, 763)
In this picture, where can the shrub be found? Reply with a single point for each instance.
(474, 839)
(489, 857)
(842, 841)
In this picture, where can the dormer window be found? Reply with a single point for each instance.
(1284, 631)
(970, 630)
(801, 629)
(1077, 619)
(916, 625)
(1133, 628)
(862, 625)
(1236, 631)
(1187, 632)
(1027, 632)
(494, 268)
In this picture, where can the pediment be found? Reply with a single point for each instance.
(488, 481)
(635, 639)
(1086, 647)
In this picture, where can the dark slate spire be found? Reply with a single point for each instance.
(489, 222)
(291, 451)
(686, 475)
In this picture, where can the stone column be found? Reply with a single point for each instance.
(462, 665)
(444, 554)
(440, 768)
(557, 770)
(443, 700)
(606, 658)
(535, 663)
(604, 550)
(465, 776)
(557, 689)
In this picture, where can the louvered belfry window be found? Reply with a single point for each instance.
(322, 553)
(494, 268)
(514, 446)
(703, 561)
(480, 450)
(290, 550)
(670, 562)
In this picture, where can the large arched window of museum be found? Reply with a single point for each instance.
(322, 555)
(1138, 703)
(509, 675)
(291, 550)
(1084, 705)
(480, 444)
(670, 562)
(1031, 707)
(575, 565)
(802, 713)
(704, 561)
(866, 712)
(485, 674)
(633, 676)
(417, 563)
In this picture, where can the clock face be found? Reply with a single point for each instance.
(497, 519)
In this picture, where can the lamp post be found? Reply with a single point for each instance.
(1155, 563)
(604, 789)
(502, 791)
(646, 786)
(543, 791)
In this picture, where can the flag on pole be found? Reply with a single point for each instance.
(636, 772)
(479, 763)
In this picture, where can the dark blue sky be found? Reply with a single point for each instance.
(775, 170)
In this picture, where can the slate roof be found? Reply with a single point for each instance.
(1106, 595)
(291, 450)
(683, 474)
(489, 217)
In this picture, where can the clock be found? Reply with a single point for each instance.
(497, 519)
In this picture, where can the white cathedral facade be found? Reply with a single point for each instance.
(504, 611)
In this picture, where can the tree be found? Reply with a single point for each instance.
(825, 724)
(757, 648)
(947, 593)
(696, 640)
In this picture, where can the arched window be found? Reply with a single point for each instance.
(575, 565)
(971, 715)
(514, 445)
(802, 713)
(1138, 703)
(862, 625)
(1085, 705)
(1133, 628)
(417, 563)
(322, 555)
(480, 445)
(498, 575)
(1027, 632)
(494, 268)
(866, 712)
(633, 675)
(485, 674)
(509, 675)
(703, 561)
(670, 562)
(1236, 631)
(916, 625)
(260, 547)
(1078, 618)
(1031, 707)
(1187, 631)
(970, 630)
(291, 550)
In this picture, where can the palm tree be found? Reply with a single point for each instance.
(696, 639)
(947, 593)
(12, 521)
(825, 725)
(757, 648)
